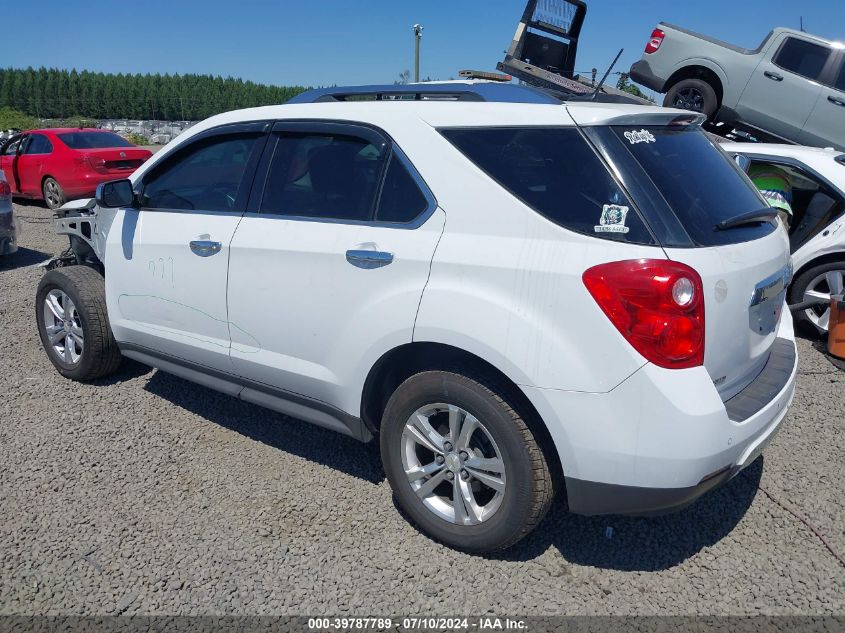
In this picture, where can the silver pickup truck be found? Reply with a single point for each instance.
(790, 88)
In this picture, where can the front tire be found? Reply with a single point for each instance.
(54, 195)
(693, 94)
(462, 463)
(70, 309)
(817, 282)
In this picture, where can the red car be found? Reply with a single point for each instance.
(61, 164)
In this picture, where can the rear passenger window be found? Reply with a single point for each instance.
(323, 176)
(840, 81)
(802, 57)
(401, 198)
(39, 144)
(555, 172)
(206, 176)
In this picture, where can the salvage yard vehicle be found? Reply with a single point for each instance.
(60, 164)
(790, 88)
(817, 234)
(8, 228)
(517, 296)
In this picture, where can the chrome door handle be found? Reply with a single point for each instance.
(368, 259)
(205, 248)
(773, 76)
(836, 101)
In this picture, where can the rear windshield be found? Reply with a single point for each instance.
(557, 173)
(93, 140)
(701, 184)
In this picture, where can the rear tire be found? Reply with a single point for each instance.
(817, 281)
(693, 94)
(54, 195)
(70, 309)
(485, 456)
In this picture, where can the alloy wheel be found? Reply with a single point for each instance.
(51, 193)
(689, 99)
(822, 287)
(63, 326)
(453, 464)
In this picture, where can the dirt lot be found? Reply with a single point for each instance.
(146, 494)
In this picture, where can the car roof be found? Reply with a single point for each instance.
(392, 114)
(63, 130)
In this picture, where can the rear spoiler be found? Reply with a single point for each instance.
(588, 115)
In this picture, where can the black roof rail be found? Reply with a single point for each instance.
(457, 91)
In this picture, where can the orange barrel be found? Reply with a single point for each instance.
(836, 327)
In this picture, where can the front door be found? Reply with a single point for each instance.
(167, 260)
(783, 89)
(327, 271)
(826, 125)
(9, 162)
(31, 164)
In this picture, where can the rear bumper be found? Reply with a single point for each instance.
(641, 73)
(663, 438)
(84, 185)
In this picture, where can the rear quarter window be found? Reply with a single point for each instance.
(557, 173)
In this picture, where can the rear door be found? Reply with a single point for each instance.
(826, 125)
(168, 259)
(31, 163)
(744, 269)
(784, 89)
(328, 266)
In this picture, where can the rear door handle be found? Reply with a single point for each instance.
(773, 76)
(368, 259)
(205, 248)
(836, 101)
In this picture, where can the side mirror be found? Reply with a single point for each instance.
(743, 161)
(116, 193)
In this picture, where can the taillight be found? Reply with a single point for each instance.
(97, 163)
(5, 189)
(655, 41)
(657, 305)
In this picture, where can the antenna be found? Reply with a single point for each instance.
(802, 24)
(603, 79)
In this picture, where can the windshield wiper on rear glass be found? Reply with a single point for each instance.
(750, 217)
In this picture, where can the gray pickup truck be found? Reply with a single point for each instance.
(790, 88)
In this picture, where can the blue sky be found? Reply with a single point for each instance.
(335, 42)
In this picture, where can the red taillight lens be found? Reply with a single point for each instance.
(97, 163)
(655, 41)
(5, 189)
(657, 305)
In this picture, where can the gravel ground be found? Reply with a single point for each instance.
(145, 494)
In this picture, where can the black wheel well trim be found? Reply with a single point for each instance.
(402, 362)
(696, 71)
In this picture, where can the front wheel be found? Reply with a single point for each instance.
(54, 195)
(70, 309)
(462, 462)
(693, 94)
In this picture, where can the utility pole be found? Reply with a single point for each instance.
(418, 29)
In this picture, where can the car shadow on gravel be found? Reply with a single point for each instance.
(22, 258)
(282, 432)
(642, 543)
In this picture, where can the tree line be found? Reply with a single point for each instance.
(48, 93)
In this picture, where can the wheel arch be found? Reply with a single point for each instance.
(400, 363)
(827, 258)
(698, 71)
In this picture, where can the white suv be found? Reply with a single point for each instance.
(515, 294)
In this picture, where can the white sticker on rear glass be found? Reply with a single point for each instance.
(643, 136)
(612, 219)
